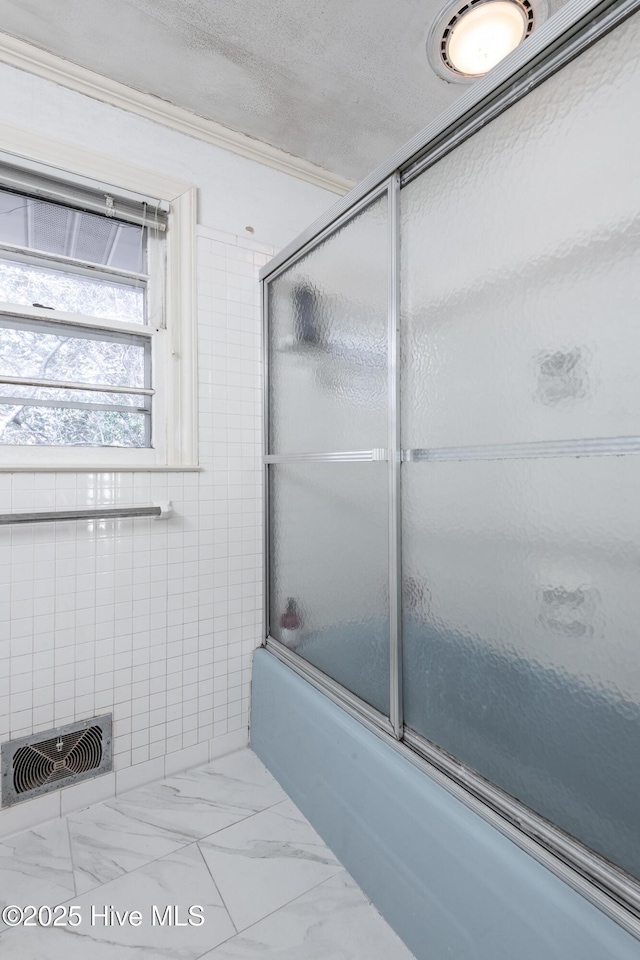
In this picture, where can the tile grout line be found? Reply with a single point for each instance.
(73, 863)
(288, 904)
(224, 903)
(196, 843)
(126, 873)
(181, 846)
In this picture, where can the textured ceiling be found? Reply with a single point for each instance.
(342, 83)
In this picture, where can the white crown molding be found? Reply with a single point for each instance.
(59, 155)
(25, 56)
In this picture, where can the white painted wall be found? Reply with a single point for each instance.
(153, 621)
(234, 192)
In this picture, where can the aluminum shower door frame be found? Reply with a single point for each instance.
(393, 725)
(571, 31)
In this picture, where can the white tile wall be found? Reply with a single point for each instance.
(154, 621)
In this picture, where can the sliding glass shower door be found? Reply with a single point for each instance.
(328, 431)
(454, 537)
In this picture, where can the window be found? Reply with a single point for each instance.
(96, 339)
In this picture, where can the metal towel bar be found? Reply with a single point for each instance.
(95, 513)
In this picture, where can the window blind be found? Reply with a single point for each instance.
(36, 180)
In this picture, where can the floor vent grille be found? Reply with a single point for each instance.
(38, 764)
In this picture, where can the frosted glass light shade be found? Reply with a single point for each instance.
(485, 35)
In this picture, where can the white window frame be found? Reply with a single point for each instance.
(172, 330)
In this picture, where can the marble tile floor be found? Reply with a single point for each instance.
(225, 838)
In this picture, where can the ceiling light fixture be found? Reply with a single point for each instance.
(468, 38)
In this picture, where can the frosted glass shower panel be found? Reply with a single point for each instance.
(521, 267)
(521, 583)
(328, 342)
(520, 284)
(328, 571)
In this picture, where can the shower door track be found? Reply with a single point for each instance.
(561, 39)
